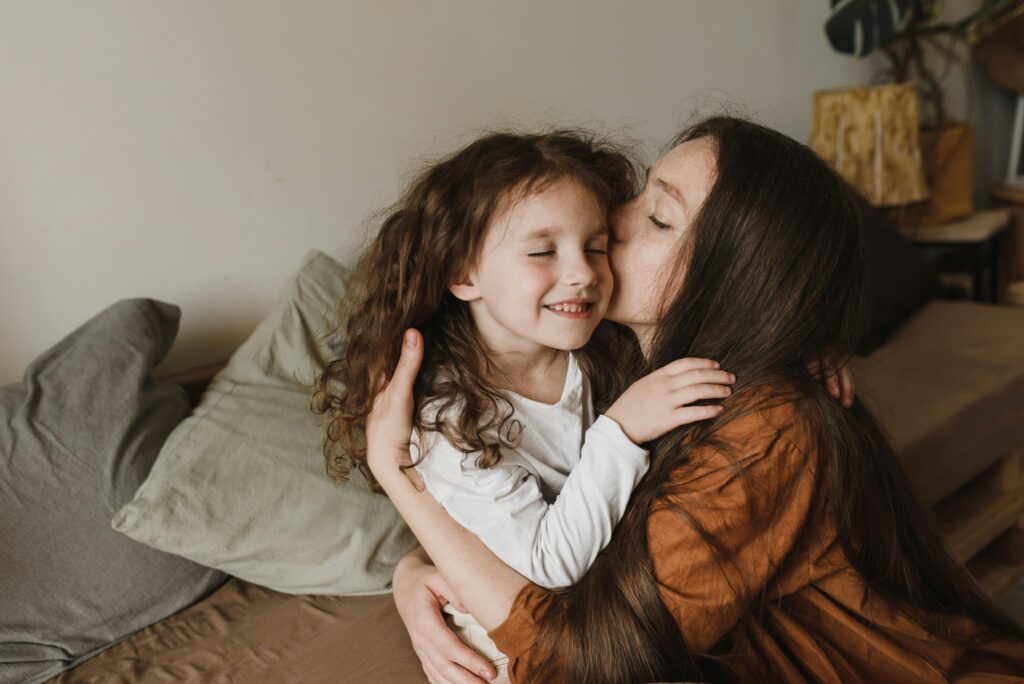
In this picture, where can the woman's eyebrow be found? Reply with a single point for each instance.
(670, 189)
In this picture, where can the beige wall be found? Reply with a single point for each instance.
(192, 151)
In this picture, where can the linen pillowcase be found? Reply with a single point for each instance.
(241, 485)
(77, 437)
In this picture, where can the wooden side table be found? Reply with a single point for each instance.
(978, 235)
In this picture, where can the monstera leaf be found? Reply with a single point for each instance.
(876, 20)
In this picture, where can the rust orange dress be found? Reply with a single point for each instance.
(815, 620)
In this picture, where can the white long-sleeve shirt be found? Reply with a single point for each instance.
(551, 504)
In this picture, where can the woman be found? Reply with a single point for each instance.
(778, 541)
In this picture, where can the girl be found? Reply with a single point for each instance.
(499, 255)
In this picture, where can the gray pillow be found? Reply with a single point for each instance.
(77, 437)
(241, 485)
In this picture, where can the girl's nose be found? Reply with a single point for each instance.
(579, 272)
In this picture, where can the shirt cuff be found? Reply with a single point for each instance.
(515, 636)
(609, 430)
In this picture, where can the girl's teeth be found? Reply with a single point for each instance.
(568, 308)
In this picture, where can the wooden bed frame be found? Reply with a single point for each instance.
(195, 380)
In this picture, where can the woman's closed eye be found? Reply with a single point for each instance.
(546, 253)
(656, 222)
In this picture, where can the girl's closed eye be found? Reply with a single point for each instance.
(658, 223)
(546, 253)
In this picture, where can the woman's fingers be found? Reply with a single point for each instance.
(847, 387)
(451, 658)
(399, 387)
(437, 584)
(458, 675)
(832, 384)
(451, 661)
(410, 360)
(442, 672)
(433, 676)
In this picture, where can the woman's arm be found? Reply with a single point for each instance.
(420, 594)
(485, 585)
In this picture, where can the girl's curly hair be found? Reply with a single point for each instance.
(428, 240)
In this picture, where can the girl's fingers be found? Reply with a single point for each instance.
(693, 414)
(704, 376)
(694, 393)
(682, 365)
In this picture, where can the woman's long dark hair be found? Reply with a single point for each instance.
(774, 279)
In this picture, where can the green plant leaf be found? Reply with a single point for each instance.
(872, 21)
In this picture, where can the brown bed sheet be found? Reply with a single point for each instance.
(245, 633)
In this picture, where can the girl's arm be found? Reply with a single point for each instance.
(554, 544)
(551, 544)
(485, 585)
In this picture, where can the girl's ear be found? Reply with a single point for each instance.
(465, 288)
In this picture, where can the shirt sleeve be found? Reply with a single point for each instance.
(725, 526)
(552, 545)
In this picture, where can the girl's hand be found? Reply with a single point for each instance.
(660, 402)
(837, 380)
(389, 425)
(420, 593)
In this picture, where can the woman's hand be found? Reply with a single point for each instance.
(838, 380)
(660, 402)
(420, 593)
(389, 424)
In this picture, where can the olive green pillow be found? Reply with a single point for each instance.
(240, 485)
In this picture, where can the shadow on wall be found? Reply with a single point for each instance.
(210, 333)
